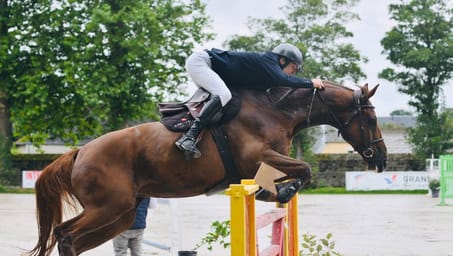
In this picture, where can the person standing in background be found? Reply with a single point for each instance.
(133, 237)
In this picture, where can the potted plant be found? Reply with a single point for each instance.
(220, 232)
(434, 186)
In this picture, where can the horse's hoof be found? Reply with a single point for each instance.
(287, 190)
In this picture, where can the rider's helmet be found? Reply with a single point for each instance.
(290, 52)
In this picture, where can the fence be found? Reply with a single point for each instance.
(446, 178)
(245, 224)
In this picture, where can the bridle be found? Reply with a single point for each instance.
(370, 148)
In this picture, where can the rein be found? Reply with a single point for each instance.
(310, 107)
(370, 149)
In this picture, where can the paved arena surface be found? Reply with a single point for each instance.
(374, 225)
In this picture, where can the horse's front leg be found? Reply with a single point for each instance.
(298, 173)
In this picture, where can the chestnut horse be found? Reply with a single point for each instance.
(110, 174)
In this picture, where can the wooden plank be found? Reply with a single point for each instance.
(269, 217)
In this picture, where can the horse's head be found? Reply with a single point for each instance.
(356, 121)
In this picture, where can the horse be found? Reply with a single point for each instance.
(109, 175)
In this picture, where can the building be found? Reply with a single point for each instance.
(393, 131)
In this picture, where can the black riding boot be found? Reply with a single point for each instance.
(188, 142)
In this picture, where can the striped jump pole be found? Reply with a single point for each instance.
(245, 224)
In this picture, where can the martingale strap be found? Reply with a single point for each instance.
(231, 173)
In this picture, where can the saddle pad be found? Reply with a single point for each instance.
(181, 121)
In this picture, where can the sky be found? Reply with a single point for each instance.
(229, 17)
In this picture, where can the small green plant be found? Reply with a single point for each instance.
(220, 231)
(312, 246)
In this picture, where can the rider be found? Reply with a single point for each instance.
(217, 70)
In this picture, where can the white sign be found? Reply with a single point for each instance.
(29, 178)
(387, 180)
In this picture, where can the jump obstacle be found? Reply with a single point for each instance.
(244, 224)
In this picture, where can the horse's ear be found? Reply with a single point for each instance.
(364, 97)
(373, 91)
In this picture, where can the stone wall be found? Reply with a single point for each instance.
(332, 167)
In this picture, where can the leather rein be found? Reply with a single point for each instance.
(370, 148)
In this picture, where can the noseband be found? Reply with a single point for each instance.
(370, 148)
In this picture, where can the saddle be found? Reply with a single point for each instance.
(179, 116)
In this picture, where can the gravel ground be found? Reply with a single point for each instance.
(395, 225)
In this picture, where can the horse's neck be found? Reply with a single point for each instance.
(297, 110)
(260, 117)
(325, 109)
(263, 108)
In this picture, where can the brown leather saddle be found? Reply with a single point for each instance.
(179, 116)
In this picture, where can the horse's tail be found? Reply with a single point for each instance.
(52, 188)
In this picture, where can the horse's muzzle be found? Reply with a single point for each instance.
(375, 158)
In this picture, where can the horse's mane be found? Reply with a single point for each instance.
(327, 82)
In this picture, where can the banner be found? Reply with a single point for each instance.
(387, 180)
(29, 178)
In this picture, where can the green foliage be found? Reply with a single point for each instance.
(432, 135)
(400, 112)
(342, 190)
(16, 190)
(316, 27)
(9, 177)
(219, 234)
(77, 69)
(421, 45)
(434, 184)
(301, 148)
(313, 246)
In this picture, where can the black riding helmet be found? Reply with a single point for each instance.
(290, 52)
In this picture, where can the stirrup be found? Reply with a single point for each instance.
(190, 151)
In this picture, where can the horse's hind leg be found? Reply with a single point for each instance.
(90, 240)
(72, 233)
(64, 242)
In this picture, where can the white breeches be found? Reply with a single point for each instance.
(198, 66)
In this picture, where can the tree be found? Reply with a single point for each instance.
(400, 112)
(74, 69)
(317, 28)
(5, 124)
(432, 139)
(421, 47)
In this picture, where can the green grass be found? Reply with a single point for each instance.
(16, 190)
(339, 190)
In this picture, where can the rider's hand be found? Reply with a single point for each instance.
(317, 83)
